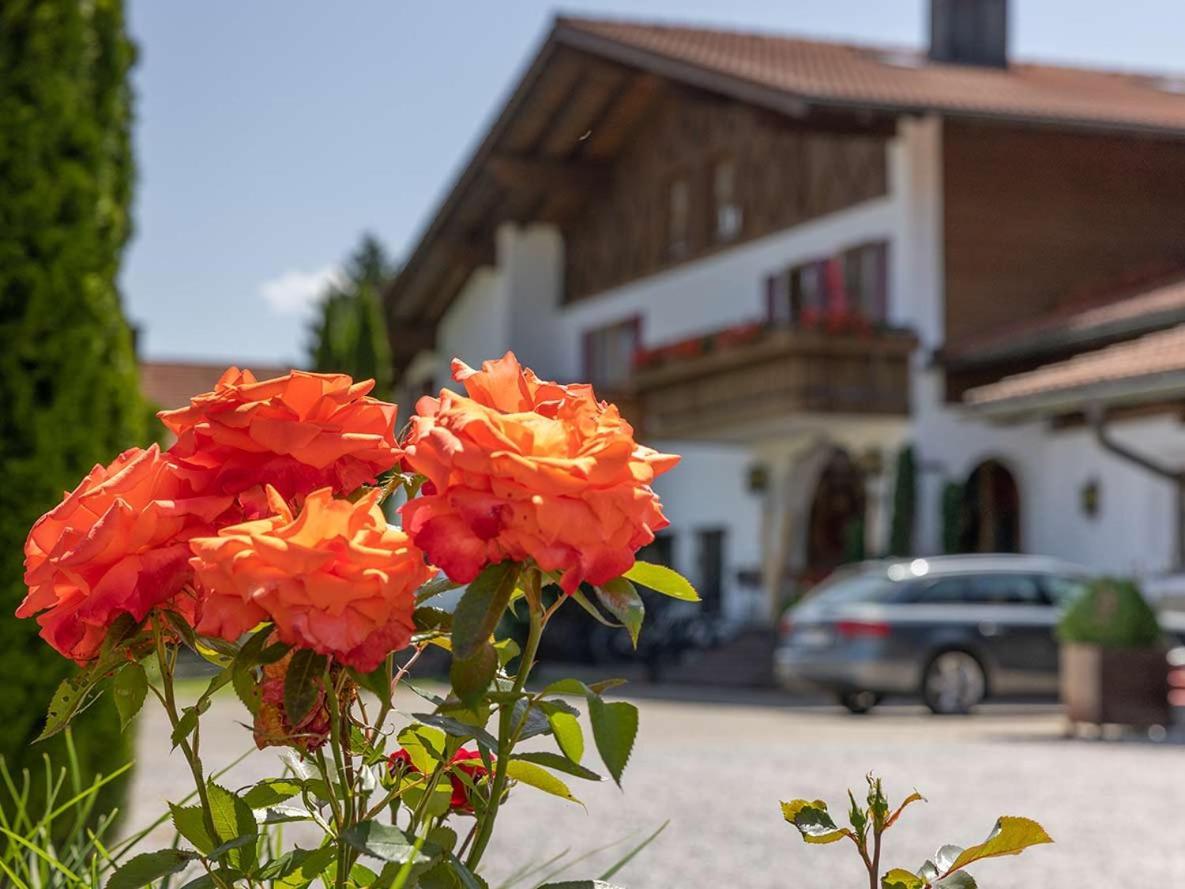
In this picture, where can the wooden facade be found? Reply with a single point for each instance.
(726, 394)
(1037, 218)
(784, 174)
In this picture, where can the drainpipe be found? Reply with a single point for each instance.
(1098, 422)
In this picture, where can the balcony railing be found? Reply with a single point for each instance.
(735, 383)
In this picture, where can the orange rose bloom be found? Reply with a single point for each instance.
(296, 433)
(116, 544)
(524, 468)
(336, 578)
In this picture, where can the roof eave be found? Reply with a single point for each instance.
(1130, 391)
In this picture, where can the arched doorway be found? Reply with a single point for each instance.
(835, 529)
(991, 510)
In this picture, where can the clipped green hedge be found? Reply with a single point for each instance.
(69, 394)
(1113, 614)
(905, 499)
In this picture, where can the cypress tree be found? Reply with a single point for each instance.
(348, 335)
(69, 394)
(904, 504)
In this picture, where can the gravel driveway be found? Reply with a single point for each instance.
(718, 770)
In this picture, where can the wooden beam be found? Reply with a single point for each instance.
(624, 114)
(574, 123)
(540, 174)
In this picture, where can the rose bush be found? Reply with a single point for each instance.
(258, 542)
(526, 469)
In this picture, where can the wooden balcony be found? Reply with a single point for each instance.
(745, 390)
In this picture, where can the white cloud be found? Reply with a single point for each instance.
(293, 292)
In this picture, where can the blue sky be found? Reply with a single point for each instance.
(272, 133)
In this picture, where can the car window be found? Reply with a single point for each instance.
(1063, 590)
(865, 588)
(946, 590)
(1006, 589)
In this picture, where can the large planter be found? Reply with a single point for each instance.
(1125, 686)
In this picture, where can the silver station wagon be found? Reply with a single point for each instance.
(952, 629)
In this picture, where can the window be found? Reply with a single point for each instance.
(850, 284)
(985, 589)
(609, 353)
(679, 219)
(710, 573)
(661, 551)
(728, 214)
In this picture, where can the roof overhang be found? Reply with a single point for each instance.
(1167, 388)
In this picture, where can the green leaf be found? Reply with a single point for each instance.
(143, 869)
(620, 598)
(632, 853)
(568, 733)
(302, 684)
(614, 726)
(559, 763)
(470, 677)
(1011, 836)
(246, 686)
(384, 842)
(249, 653)
(432, 620)
(271, 792)
(813, 821)
(957, 880)
(662, 580)
(424, 744)
(507, 650)
(129, 690)
(65, 704)
(457, 729)
(533, 718)
(434, 588)
(304, 867)
(189, 823)
(538, 777)
(185, 725)
(580, 884)
(899, 878)
(233, 819)
(481, 607)
(582, 600)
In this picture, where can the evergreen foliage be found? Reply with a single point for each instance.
(905, 498)
(953, 497)
(1112, 614)
(68, 385)
(349, 334)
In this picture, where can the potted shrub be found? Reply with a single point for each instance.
(1113, 665)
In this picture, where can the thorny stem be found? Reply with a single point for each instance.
(345, 776)
(507, 734)
(195, 764)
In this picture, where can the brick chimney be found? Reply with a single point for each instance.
(969, 32)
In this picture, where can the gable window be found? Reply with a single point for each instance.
(679, 219)
(850, 285)
(609, 353)
(727, 209)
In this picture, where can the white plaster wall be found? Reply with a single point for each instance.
(477, 325)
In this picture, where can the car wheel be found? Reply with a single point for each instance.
(859, 702)
(954, 682)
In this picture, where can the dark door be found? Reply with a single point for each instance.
(710, 558)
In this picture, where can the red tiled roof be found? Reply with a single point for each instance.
(1122, 313)
(1148, 356)
(839, 75)
(170, 384)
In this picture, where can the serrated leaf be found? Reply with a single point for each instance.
(1011, 836)
(899, 878)
(458, 729)
(302, 684)
(271, 792)
(304, 868)
(481, 607)
(384, 842)
(614, 726)
(189, 822)
(533, 719)
(559, 763)
(662, 580)
(246, 686)
(425, 745)
(233, 819)
(538, 777)
(149, 866)
(432, 620)
(435, 587)
(914, 797)
(129, 689)
(66, 703)
(582, 600)
(470, 677)
(620, 598)
(813, 821)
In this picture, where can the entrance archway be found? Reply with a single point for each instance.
(991, 510)
(835, 529)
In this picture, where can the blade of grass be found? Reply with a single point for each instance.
(633, 852)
